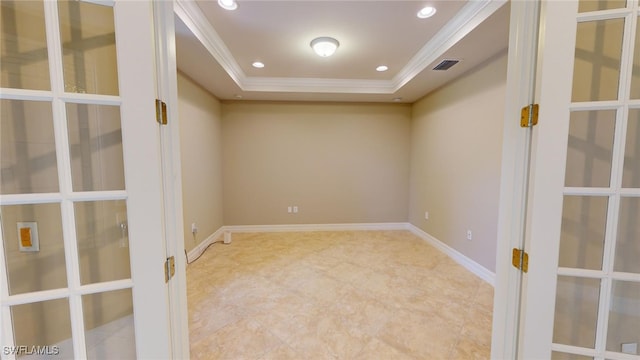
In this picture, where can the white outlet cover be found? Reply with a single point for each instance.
(630, 348)
(426, 215)
(469, 235)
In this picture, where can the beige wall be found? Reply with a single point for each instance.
(200, 147)
(339, 163)
(456, 144)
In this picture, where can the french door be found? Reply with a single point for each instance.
(82, 248)
(581, 295)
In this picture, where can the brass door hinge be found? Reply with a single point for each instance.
(520, 259)
(529, 115)
(161, 112)
(169, 268)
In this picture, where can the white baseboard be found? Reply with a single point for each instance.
(200, 248)
(315, 227)
(457, 256)
(479, 270)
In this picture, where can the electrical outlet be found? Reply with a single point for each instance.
(289, 209)
(194, 228)
(295, 209)
(426, 215)
(469, 235)
(630, 348)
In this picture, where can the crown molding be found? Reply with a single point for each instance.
(470, 16)
(467, 19)
(199, 25)
(279, 84)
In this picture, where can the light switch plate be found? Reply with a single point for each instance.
(28, 239)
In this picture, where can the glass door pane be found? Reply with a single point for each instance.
(95, 141)
(108, 321)
(103, 241)
(635, 79)
(624, 316)
(27, 148)
(596, 72)
(589, 156)
(25, 61)
(631, 174)
(576, 311)
(89, 48)
(584, 220)
(35, 338)
(33, 247)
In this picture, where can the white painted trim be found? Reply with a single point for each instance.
(198, 24)
(467, 19)
(315, 227)
(318, 85)
(477, 269)
(167, 91)
(202, 246)
(471, 15)
(521, 75)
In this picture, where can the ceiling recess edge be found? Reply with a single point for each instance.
(467, 19)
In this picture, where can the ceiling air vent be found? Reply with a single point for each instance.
(446, 64)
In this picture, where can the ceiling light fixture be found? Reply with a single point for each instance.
(228, 4)
(258, 65)
(382, 68)
(426, 12)
(324, 46)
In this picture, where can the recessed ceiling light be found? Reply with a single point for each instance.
(426, 12)
(398, 99)
(258, 65)
(237, 96)
(324, 46)
(382, 68)
(228, 4)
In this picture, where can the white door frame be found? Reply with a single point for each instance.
(167, 91)
(516, 148)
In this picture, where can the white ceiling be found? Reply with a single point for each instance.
(216, 47)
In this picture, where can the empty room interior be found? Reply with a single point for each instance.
(335, 202)
(340, 165)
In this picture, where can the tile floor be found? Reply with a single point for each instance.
(335, 295)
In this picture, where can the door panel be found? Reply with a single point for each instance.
(81, 212)
(585, 257)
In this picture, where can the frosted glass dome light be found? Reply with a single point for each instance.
(324, 46)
